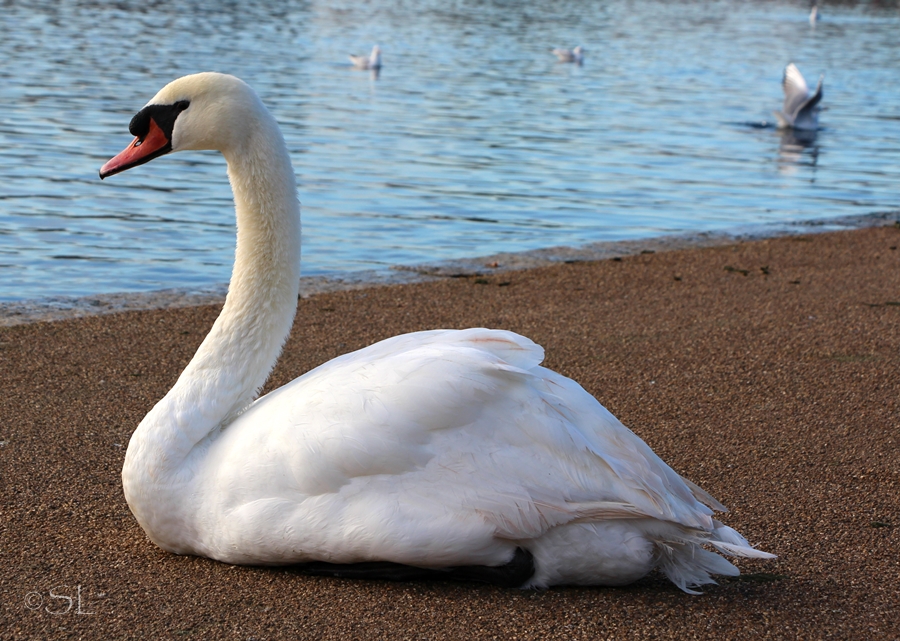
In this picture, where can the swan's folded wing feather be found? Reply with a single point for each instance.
(373, 411)
(453, 425)
(704, 497)
(508, 346)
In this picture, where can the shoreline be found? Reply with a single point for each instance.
(65, 307)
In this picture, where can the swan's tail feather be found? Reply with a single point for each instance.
(688, 565)
(729, 541)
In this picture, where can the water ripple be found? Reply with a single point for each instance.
(472, 140)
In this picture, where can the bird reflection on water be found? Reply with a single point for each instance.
(797, 147)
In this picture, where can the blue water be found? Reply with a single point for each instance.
(472, 140)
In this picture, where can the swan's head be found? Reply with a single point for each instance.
(201, 111)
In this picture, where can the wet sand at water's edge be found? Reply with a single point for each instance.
(767, 371)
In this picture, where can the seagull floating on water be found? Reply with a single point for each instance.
(575, 55)
(801, 106)
(372, 61)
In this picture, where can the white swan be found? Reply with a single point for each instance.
(372, 61)
(801, 106)
(442, 452)
(575, 55)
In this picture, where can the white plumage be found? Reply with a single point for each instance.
(575, 55)
(801, 106)
(372, 61)
(435, 449)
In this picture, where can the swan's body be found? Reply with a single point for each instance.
(801, 106)
(434, 449)
(372, 61)
(575, 55)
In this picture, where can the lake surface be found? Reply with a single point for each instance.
(472, 140)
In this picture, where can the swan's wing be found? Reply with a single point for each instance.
(588, 466)
(453, 428)
(378, 404)
(508, 346)
(796, 92)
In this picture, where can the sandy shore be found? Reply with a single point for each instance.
(765, 371)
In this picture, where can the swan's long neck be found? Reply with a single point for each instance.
(236, 357)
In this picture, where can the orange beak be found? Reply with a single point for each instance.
(153, 145)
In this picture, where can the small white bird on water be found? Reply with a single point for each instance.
(444, 454)
(575, 55)
(801, 106)
(372, 61)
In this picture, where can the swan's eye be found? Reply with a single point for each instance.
(181, 105)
